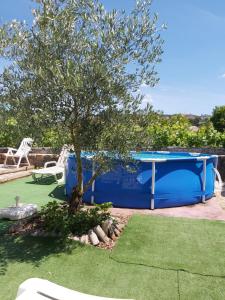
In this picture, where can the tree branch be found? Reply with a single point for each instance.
(92, 179)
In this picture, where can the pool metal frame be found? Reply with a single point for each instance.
(155, 161)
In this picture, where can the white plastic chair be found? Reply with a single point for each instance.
(40, 289)
(20, 153)
(53, 168)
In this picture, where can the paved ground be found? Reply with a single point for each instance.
(12, 176)
(11, 173)
(213, 209)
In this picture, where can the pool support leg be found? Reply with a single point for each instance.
(204, 160)
(152, 202)
(93, 183)
(204, 180)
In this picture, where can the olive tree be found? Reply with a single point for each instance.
(79, 67)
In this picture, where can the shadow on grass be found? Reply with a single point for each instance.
(4, 226)
(30, 249)
(58, 193)
(43, 181)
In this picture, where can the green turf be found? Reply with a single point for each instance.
(84, 269)
(201, 287)
(174, 243)
(30, 192)
(155, 258)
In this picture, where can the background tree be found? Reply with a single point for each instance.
(79, 67)
(170, 131)
(218, 118)
(175, 130)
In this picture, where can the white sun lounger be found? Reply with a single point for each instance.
(40, 289)
(53, 168)
(20, 153)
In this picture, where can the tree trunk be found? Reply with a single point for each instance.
(78, 191)
(76, 200)
(79, 171)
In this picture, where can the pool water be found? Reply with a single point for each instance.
(165, 155)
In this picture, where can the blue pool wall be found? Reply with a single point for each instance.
(178, 182)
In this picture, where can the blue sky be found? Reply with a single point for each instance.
(192, 73)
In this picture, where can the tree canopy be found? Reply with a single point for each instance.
(218, 118)
(79, 68)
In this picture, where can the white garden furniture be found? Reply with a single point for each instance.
(53, 168)
(20, 153)
(40, 289)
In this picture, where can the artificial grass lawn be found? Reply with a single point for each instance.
(196, 246)
(85, 269)
(30, 192)
(155, 258)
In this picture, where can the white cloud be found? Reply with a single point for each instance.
(222, 76)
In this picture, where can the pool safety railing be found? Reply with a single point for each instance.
(218, 176)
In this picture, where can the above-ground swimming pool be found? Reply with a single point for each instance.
(158, 180)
